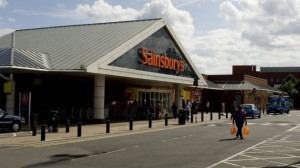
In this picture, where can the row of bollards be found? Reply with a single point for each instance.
(131, 122)
(107, 121)
(43, 129)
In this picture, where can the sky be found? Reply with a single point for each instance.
(215, 33)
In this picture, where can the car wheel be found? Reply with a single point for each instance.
(15, 127)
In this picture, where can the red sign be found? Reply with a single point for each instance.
(25, 98)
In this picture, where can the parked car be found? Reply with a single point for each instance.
(251, 110)
(11, 122)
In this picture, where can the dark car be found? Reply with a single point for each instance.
(11, 122)
(251, 110)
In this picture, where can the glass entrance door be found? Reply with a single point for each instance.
(162, 97)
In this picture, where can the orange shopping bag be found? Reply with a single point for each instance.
(246, 130)
(233, 129)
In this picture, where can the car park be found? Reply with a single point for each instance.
(10, 122)
(251, 110)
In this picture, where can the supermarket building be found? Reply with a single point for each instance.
(86, 67)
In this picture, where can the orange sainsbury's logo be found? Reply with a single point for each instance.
(162, 61)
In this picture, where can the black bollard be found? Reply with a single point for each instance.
(43, 131)
(34, 125)
(166, 119)
(150, 120)
(211, 115)
(79, 129)
(226, 115)
(219, 115)
(202, 116)
(68, 125)
(131, 122)
(33, 130)
(107, 125)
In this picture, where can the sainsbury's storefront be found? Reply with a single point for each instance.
(81, 69)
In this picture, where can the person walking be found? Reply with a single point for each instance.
(188, 107)
(239, 117)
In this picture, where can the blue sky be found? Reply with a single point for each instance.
(216, 33)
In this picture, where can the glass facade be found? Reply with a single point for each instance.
(164, 56)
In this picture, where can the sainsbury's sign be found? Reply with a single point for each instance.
(150, 58)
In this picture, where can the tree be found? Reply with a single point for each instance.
(290, 87)
(297, 97)
(291, 78)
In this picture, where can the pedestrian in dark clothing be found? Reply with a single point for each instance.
(174, 110)
(239, 117)
(183, 104)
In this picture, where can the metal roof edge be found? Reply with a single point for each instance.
(77, 25)
(38, 69)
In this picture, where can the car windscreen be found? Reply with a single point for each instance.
(246, 106)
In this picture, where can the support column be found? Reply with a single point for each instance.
(99, 97)
(178, 98)
(10, 99)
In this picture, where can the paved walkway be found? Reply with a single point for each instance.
(98, 131)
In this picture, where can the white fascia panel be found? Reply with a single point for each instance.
(137, 74)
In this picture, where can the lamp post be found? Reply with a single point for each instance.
(254, 91)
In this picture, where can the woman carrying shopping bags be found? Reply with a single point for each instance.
(239, 117)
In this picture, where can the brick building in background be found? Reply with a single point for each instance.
(274, 75)
(247, 85)
(241, 88)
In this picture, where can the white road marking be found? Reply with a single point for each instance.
(285, 138)
(266, 124)
(177, 138)
(256, 147)
(292, 129)
(227, 159)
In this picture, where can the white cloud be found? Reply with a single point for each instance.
(104, 12)
(101, 11)
(3, 3)
(263, 33)
(11, 20)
